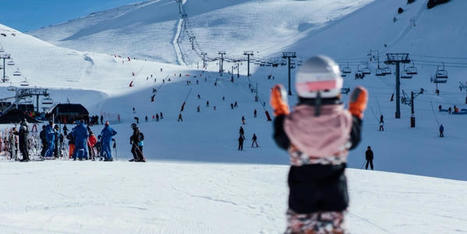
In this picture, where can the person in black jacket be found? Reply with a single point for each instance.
(23, 140)
(136, 145)
(369, 158)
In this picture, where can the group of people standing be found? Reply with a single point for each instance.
(82, 142)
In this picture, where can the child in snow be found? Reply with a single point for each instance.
(318, 134)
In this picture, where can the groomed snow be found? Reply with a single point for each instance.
(163, 197)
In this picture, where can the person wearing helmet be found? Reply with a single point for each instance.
(23, 140)
(106, 137)
(318, 134)
(136, 144)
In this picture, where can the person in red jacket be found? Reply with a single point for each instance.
(318, 134)
(92, 140)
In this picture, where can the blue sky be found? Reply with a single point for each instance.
(27, 15)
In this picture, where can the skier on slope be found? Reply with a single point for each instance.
(80, 135)
(106, 137)
(369, 158)
(318, 134)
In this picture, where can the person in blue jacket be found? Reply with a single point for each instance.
(50, 138)
(106, 137)
(80, 135)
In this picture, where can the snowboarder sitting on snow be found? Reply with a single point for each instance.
(369, 158)
(107, 134)
(318, 134)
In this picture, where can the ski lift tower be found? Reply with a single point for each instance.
(204, 59)
(248, 54)
(397, 59)
(4, 57)
(221, 62)
(289, 56)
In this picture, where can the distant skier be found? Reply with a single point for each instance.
(153, 98)
(243, 120)
(198, 109)
(242, 131)
(146, 118)
(318, 134)
(106, 137)
(162, 115)
(207, 103)
(241, 139)
(157, 117)
(135, 140)
(369, 158)
(441, 130)
(254, 141)
(102, 119)
(136, 119)
(180, 118)
(255, 113)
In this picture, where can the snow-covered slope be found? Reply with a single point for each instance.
(147, 30)
(160, 197)
(210, 136)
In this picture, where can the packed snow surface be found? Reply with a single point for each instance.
(163, 197)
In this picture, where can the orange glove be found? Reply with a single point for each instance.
(358, 101)
(279, 100)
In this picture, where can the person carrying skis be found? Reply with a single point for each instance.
(136, 147)
(318, 134)
(106, 137)
(80, 135)
(23, 140)
(369, 158)
(50, 137)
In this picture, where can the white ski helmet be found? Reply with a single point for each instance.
(319, 74)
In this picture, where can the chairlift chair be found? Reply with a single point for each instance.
(380, 72)
(411, 70)
(47, 101)
(406, 76)
(24, 83)
(346, 69)
(441, 73)
(365, 70)
(17, 73)
(11, 63)
(387, 71)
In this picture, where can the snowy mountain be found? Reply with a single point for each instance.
(161, 197)
(149, 29)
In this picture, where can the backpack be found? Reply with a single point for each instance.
(141, 136)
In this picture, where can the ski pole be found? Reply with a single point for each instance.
(362, 165)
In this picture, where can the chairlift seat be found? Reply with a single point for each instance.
(11, 63)
(406, 76)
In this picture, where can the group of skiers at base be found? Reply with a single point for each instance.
(318, 135)
(82, 142)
